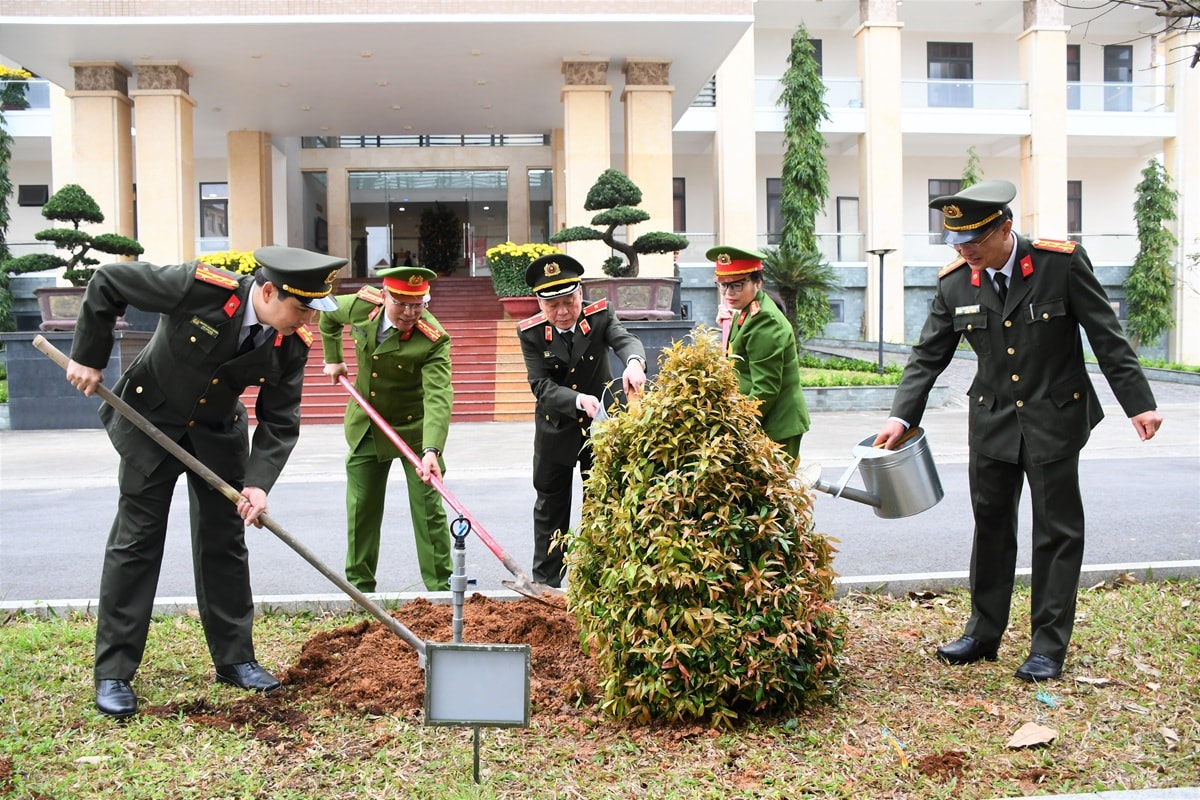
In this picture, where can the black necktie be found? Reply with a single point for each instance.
(251, 339)
(568, 337)
(1001, 286)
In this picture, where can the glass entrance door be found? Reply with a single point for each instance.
(441, 219)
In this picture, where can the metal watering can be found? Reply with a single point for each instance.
(899, 483)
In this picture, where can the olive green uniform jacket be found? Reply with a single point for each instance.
(406, 378)
(763, 345)
(187, 382)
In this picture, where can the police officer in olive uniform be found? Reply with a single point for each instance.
(566, 359)
(1020, 304)
(218, 333)
(403, 357)
(762, 344)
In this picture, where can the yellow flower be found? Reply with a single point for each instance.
(10, 74)
(241, 261)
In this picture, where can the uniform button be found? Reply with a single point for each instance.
(203, 400)
(1020, 404)
(262, 380)
(591, 358)
(192, 339)
(547, 418)
(970, 327)
(372, 394)
(375, 357)
(981, 398)
(575, 386)
(1008, 323)
(1075, 396)
(1012, 350)
(374, 374)
(216, 381)
(1016, 378)
(1045, 315)
(410, 417)
(139, 390)
(191, 423)
(236, 417)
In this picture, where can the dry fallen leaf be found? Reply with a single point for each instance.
(1135, 708)
(1032, 734)
(1125, 579)
(1169, 736)
(1093, 681)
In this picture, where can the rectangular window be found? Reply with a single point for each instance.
(951, 70)
(679, 203)
(214, 210)
(939, 188)
(817, 55)
(1073, 72)
(1075, 211)
(774, 211)
(32, 194)
(1118, 77)
(838, 307)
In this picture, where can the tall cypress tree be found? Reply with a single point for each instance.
(1151, 280)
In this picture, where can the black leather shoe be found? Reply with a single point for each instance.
(115, 698)
(966, 650)
(1039, 668)
(247, 675)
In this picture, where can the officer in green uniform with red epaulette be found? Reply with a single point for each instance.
(566, 360)
(1020, 304)
(218, 333)
(762, 344)
(403, 357)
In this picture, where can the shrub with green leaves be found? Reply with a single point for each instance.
(697, 578)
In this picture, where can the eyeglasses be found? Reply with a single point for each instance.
(975, 244)
(409, 308)
(732, 287)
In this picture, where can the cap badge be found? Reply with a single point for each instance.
(551, 269)
(724, 259)
(952, 212)
(415, 280)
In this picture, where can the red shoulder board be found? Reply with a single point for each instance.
(1057, 245)
(371, 294)
(595, 307)
(754, 308)
(953, 265)
(536, 319)
(217, 277)
(431, 332)
(305, 336)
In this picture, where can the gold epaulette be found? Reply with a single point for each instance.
(595, 307)
(305, 335)
(372, 294)
(1057, 245)
(432, 333)
(953, 265)
(536, 319)
(217, 277)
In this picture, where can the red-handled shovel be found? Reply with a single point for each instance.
(214, 480)
(522, 584)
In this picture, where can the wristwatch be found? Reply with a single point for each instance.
(433, 450)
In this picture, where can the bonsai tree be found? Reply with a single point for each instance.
(697, 579)
(803, 280)
(616, 198)
(74, 205)
(1151, 281)
(507, 262)
(441, 239)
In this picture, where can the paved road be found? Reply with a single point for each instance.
(58, 495)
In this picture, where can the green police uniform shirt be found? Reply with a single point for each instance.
(763, 346)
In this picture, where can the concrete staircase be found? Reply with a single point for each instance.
(488, 370)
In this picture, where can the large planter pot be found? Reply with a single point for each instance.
(635, 298)
(60, 307)
(25, 309)
(520, 307)
(39, 397)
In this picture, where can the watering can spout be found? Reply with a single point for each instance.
(848, 492)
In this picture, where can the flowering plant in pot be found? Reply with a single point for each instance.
(239, 261)
(13, 85)
(507, 262)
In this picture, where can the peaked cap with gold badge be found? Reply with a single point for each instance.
(734, 261)
(968, 214)
(306, 275)
(553, 275)
(407, 283)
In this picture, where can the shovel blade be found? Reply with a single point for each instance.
(534, 591)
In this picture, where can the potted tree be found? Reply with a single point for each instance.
(616, 197)
(507, 262)
(71, 203)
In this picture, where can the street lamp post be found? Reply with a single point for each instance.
(881, 252)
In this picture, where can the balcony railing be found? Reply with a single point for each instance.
(839, 92)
